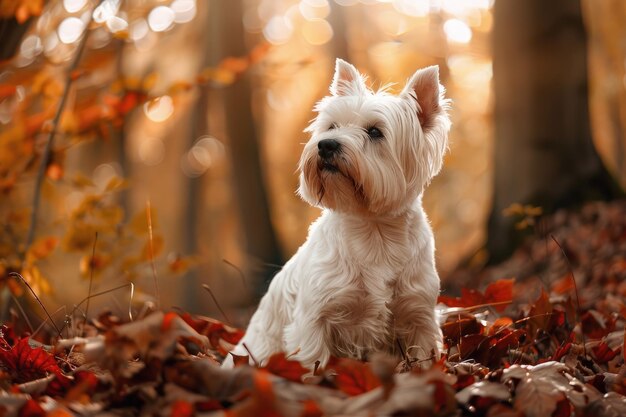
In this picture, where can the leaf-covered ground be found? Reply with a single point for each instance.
(542, 336)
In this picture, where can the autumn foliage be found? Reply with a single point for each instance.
(516, 347)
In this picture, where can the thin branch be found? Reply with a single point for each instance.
(208, 289)
(19, 306)
(98, 294)
(256, 363)
(45, 157)
(19, 276)
(236, 268)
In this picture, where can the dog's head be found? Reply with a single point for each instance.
(372, 152)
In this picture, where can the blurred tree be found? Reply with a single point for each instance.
(11, 32)
(260, 238)
(544, 153)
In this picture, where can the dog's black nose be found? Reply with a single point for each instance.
(328, 147)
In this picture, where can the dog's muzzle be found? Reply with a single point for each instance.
(328, 148)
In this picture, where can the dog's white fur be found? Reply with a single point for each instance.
(365, 279)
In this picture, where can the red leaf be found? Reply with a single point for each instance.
(279, 365)
(603, 353)
(464, 380)
(353, 377)
(597, 325)
(31, 409)
(498, 292)
(311, 409)
(240, 360)
(540, 313)
(500, 324)
(182, 408)
(453, 331)
(7, 90)
(214, 330)
(26, 364)
(473, 344)
(562, 351)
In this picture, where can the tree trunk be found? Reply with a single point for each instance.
(544, 154)
(11, 33)
(261, 243)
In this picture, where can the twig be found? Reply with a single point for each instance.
(456, 310)
(251, 355)
(18, 275)
(45, 156)
(19, 306)
(91, 268)
(578, 310)
(208, 289)
(236, 268)
(132, 295)
(151, 248)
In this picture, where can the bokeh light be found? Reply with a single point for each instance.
(73, 6)
(278, 30)
(116, 24)
(31, 47)
(70, 30)
(314, 9)
(457, 31)
(159, 109)
(138, 29)
(317, 31)
(184, 10)
(412, 7)
(203, 154)
(106, 10)
(161, 18)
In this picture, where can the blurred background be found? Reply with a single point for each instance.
(157, 140)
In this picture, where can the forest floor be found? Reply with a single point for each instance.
(543, 337)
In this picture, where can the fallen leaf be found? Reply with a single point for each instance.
(280, 365)
(353, 377)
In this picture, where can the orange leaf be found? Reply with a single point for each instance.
(167, 321)
(311, 409)
(54, 171)
(182, 408)
(499, 291)
(279, 365)
(500, 324)
(236, 65)
(7, 90)
(259, 52)
(43, 246)
(353, 377)
(264, 393)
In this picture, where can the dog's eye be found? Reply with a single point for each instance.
(375, 133)
(333, 126)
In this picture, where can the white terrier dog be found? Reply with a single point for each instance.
(365, 279)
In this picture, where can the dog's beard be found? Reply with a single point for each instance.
(332, 183)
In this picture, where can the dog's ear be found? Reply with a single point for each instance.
(424, 87)
(347, 81)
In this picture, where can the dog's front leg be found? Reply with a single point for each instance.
(305, 338)
(264, 334)
(416, 323)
